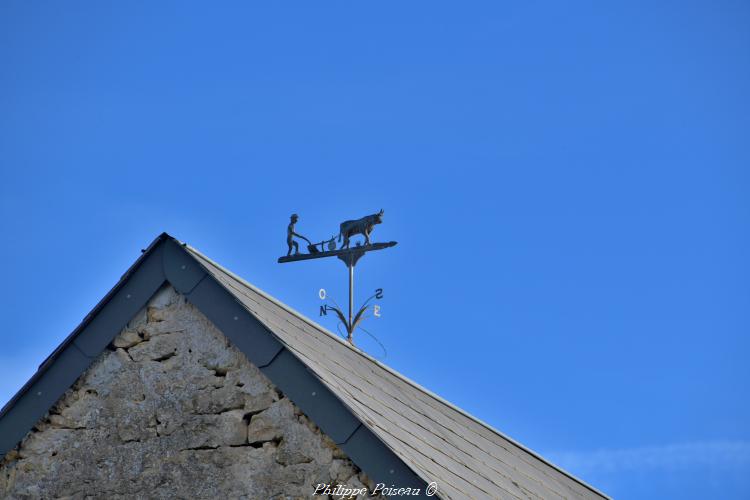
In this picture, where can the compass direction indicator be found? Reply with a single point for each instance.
(348, 255)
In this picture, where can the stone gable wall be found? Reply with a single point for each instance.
(172, 410)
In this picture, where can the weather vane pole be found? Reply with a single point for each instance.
(350, 257)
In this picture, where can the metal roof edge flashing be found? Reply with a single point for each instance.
(79, 349)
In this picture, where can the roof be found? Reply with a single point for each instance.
(395, 430)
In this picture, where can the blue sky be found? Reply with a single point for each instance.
(568, 183)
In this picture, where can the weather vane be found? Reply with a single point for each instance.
(349, 255)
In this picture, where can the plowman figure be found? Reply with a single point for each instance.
(290, 234)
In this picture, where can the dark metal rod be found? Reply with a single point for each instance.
(351, 300)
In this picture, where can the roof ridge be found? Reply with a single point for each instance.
(386, 367)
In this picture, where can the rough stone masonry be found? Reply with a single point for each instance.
(172, 410)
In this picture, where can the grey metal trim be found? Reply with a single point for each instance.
(76, 353)
(121, 308)
(315, 399)
(180, 268)
(237, 323)
(40, 397)
(380, 463)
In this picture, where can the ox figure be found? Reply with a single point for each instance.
(363, 226)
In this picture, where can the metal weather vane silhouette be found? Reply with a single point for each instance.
(347, 254)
